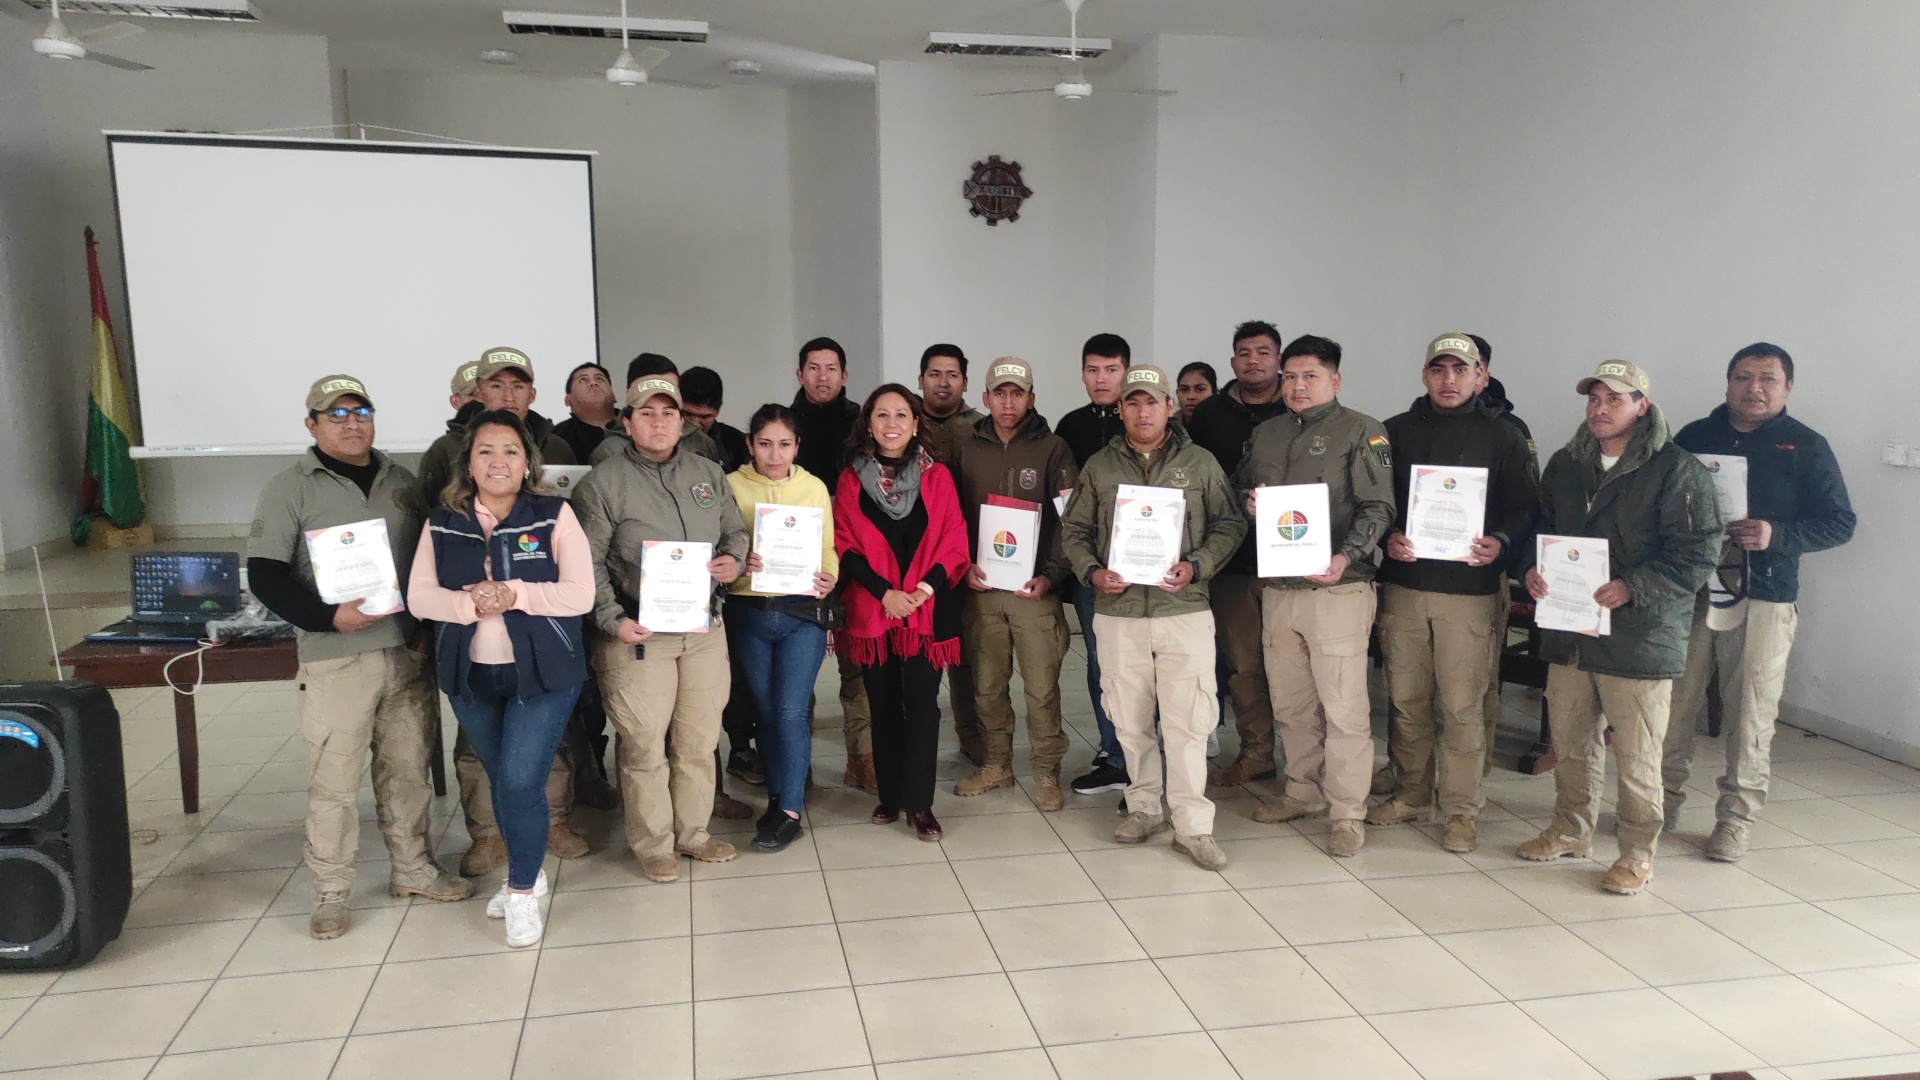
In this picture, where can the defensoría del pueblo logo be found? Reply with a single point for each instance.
(1293, 525)
(1004, 544)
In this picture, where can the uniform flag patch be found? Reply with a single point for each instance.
(1382, 454)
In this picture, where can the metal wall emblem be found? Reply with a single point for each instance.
(995, 190)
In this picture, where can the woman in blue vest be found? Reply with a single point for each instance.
(504, 569)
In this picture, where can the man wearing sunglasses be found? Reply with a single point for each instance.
(361, 689)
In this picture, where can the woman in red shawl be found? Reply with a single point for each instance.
(901, 539)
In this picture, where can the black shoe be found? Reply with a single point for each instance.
(1104, 777)
(777, 834)
(745, 764)
(766, 820)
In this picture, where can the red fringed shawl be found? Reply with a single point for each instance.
(870, 636)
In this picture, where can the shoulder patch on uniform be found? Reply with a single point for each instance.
(702, 495)
(1382, 453)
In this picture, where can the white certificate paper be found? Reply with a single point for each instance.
(1446, 507)
(787, 539)
(675, 587)
(1729, 473)
(564, 478)
(1294, 538)
(355, 562)
(1574, 567)
(1009, 539)
(1149, 524)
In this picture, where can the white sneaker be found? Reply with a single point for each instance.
(523, 920)
(497, 905)
(1213, 743)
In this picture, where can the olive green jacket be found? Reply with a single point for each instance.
(1214, 524)
(1347, 451)
(1657, 512)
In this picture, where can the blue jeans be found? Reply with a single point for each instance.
(780, 656)
(1109, 739)
(515, 738)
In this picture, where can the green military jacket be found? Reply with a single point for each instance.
(1035, 466)
(943, 437)
(1347, 451)
(436, 465)
(1214, 524)
(628, 499)
(1657, 512)
(308, 496)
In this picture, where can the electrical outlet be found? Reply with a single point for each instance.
(1894, 453)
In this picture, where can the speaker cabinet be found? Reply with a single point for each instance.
(66, 869)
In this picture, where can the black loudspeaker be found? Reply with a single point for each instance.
(66, 868)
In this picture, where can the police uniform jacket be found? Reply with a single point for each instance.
(1346, 450)
(1035, 465)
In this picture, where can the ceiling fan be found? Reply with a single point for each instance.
(1076, 86)
(57, 42)
(629, 70)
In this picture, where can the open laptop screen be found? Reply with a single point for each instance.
(185, 586)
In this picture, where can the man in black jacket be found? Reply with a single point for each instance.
(1437, 615)
(703, 391)
(826, 418)
(1221, 425)
(1796, 505)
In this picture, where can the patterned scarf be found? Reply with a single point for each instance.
(895, 489)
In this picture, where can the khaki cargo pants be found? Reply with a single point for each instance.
(666, 708)
(856, 714)
(1316, 648)
(1636, 710)
(1494, 708)
(1437, 652)
(1235, 599)
(1002, 629)
(1165, 662)
(378, 702)
(1751, 661)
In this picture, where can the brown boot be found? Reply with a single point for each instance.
(986, 779)
(485, 856)
(1244, 770)
(563, 842)
(860, 774)
(973, 747)
(596, 793)
(729, 808)
(1046, 791)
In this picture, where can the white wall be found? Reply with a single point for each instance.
(836, 236)
(1669, 182)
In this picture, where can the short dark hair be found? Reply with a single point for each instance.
(1327, 349)
(943, 349)
(1257, 328)
(1107, 345)
(860, 437)
(608, 375)
(817, 345)
(650, 363)
(1486, 350)
(1760, 350)
(702, 386)
(773, 413)
(1206, 372)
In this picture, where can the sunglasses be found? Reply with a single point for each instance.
(339, 414)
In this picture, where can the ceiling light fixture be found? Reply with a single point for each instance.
(498, 56)
(745, 69)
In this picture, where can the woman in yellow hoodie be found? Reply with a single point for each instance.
(779, 637)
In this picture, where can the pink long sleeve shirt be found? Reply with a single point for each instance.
(571, 595)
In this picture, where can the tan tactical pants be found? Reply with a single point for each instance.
(374, 702)
(1316, 648)
(1751, 661)
(1165, 662)
(1002, 629)
(1436, 647)
(1636, 710)
(666, 708)
(1235, 599)
(1493, 709)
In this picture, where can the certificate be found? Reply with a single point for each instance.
(564, 478)
(1149, 527)
(1009, 540)
(787, 539)
(675, 587)
(1574, 567)
(1293, 537)
(1446, 507)
(355, 562)
(1729, 473)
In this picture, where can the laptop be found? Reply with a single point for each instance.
(174, 594)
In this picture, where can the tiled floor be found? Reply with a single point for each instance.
(1023, 945)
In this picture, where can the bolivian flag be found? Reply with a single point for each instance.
(111, 488)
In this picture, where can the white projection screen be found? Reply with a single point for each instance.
(256, 265)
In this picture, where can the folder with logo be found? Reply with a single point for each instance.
(1009, 540)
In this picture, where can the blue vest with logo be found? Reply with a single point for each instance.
(549, 653)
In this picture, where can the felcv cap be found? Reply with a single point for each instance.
(498, 359)
(1619, 374)
(653, 386)
(1010, 369)
(1147, 377)
(331, 388)
(465, 377)
(1459, 345)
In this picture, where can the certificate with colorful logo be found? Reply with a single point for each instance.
(1149, 530)
(1009, 540)
(1446, 507)
(1574, 568)
(675, 586)
(787, 539)
(355, 562)
(1293, 537)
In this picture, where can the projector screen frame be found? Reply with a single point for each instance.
(139, 449)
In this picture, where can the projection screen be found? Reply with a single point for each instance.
(253, 266)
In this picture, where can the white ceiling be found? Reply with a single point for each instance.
(796, 39)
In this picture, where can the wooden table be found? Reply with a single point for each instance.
(126, 664)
